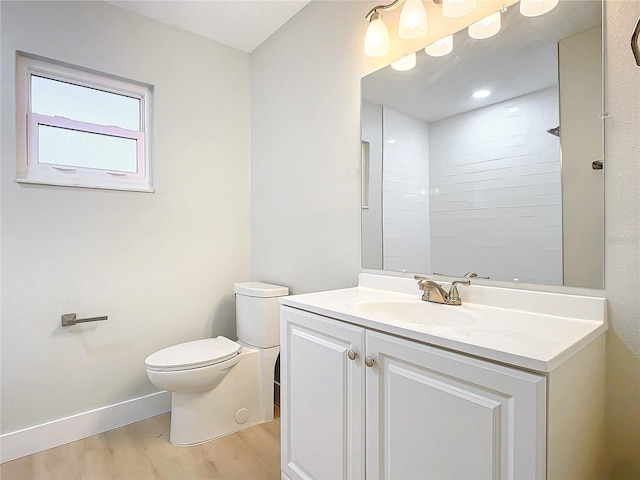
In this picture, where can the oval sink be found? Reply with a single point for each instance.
(415, 312)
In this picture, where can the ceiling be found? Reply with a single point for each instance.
(240, 24)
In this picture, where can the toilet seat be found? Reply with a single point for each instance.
(194, 354)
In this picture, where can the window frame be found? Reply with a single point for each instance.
(29, 170)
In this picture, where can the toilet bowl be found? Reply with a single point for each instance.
(219, 386)
(193, 367)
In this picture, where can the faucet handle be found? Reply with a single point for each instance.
(421, 280)
(474, 275)
(422, 285)
(454, 295)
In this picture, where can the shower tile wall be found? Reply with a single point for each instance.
(496, 191)
(405, 193)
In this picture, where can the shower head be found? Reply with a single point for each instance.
(554, 131)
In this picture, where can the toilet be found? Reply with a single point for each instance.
(219, 386)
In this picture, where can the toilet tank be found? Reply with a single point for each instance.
(258, 313)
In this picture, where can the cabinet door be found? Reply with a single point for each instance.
(322, 397)
(433, 414)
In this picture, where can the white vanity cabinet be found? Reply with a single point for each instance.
(321, 397)
(433, 414)
(358, 403)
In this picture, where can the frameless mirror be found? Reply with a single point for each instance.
(508, 182)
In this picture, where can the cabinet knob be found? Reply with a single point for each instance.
(352, 354)
(368, 361)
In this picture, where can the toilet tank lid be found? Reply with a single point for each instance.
(258, 289)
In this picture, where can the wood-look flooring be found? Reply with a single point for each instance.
(142, 451)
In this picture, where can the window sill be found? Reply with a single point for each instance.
(126, 188)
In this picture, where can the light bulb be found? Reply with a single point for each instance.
(481, 94)
(441, 47)
(376, 40)
(413, 20)
(457, 8)
(485, 28)
(405, 63)
(533, 8)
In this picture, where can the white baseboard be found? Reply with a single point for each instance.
(58, 432)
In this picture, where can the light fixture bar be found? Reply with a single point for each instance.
(381, 7)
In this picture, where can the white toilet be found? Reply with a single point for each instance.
(220, 386)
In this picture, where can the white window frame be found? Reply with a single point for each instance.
(29, 170)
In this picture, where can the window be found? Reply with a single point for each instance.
(81, 129)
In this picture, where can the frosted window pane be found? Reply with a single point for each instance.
(61, 146)
(60, 99)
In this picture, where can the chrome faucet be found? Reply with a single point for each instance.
(434, 293)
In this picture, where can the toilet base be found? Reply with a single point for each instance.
(244, 398)
(236, 403)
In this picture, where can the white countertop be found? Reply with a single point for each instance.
(537, 331)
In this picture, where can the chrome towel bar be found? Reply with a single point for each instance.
(69, 319)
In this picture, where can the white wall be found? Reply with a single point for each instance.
(496, 200)
(407, 244)
(622, 240)
(305, 94)
(161, 265)
(305, 150)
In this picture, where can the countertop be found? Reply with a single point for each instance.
(542, 332)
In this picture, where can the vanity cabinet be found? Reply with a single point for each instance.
(322, 393)
(358, 403)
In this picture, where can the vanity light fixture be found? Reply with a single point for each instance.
(440, 48)
(413, 20)
(457, 8)
(405, 63)
(481, 93)
(487, 27)
(413, 24)
(534, 8)
(376, 41)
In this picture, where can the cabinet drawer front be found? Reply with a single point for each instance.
(434, 414)
(322, 417)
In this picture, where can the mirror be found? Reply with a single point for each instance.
(507, 185)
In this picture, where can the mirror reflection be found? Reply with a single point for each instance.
(487, 159)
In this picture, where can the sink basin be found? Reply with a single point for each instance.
(415, 312)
